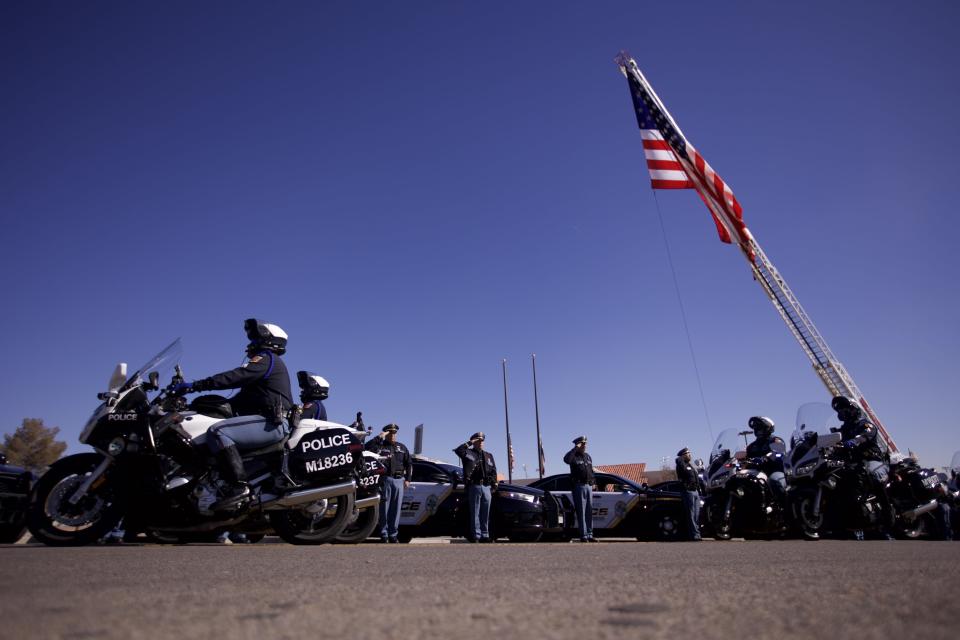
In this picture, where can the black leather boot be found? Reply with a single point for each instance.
(231, 469)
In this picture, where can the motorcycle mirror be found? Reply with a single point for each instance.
(153, 380)
(118, 377)
(698, 463)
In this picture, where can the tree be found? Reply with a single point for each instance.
(33, 445)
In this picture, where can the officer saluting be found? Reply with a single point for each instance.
(581, 475)
(480, 478)
(399, 470)
(687, 475)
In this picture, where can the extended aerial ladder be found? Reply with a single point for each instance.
(833, 374)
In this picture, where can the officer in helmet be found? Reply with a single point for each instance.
(264, 386)
(314, 390)
(860, 437)
(766, 452)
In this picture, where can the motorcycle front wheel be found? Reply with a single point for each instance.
(804, 514)
(314, 523)
(55, 521)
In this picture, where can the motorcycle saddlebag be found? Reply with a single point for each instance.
(212, 405)
(324, 453)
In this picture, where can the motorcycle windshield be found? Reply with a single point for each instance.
(814, 417)
(728, 443)
(162, 363)
(955, 463)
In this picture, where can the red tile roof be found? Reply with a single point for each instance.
(635, 471)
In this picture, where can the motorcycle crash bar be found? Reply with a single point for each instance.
(363, 503)
(919, 511)
(296, 498)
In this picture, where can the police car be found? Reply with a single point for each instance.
(622, 508)
(435, 505)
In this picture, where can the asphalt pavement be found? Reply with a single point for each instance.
(789, 589)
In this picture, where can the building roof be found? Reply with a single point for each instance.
(635, 471)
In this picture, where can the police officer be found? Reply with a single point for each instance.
(860, 438)
(314, 390)
(766, 451)
(395, 480)
(581, 477)
(264, 390)
(687, 475)
(480, 480)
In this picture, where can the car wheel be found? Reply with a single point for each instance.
(666, 527)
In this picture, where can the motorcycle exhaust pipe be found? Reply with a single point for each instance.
(305, 496)
(919, 511)
(363, 503)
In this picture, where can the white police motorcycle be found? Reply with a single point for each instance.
(151, 468)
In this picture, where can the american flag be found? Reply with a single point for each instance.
(674, 163)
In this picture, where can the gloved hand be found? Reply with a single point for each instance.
(183, 387)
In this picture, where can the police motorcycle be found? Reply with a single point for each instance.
(366, 509)
(916, 493)
(740, 499)
(152, 468)
(829, 489)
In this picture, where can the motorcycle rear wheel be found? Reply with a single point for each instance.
(55, 522)
(306, 525)
(361, 528)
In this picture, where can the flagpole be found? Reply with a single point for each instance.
(536, 406)
(506, 417)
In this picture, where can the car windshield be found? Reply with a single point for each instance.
(816, 417)
(451, 468)
(162, 363)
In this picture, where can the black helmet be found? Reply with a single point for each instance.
(264, 336)
(762, 426)
(312, 386)
(847, 409)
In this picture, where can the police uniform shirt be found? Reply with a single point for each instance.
(581, 466)
(315, 410)
(868, 449)
(263, 382)
(397, 462)
(479, 466)
(760, 448)
(687, 475)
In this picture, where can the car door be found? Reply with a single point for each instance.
(429, 487)
(613, 499)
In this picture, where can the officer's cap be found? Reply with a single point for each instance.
(579, 439)
(391, 428)
(478, 436)
(683, 452)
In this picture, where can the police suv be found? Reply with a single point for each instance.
(621, 508)
(435, 505)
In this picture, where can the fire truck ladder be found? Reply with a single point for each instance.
(831, 372)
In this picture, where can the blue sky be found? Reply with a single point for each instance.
(417, 190)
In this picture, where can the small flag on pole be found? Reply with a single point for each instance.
(673, 163)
